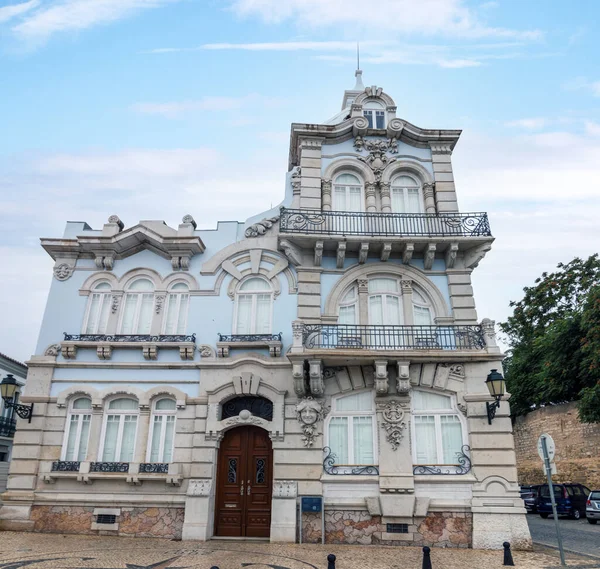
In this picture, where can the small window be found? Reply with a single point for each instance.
(374, 112)
(106, 519)
(138, 308)
(77, 430)
(347, 193)
(397, 528)
(177, 309)
(98, 309)
(253, 310)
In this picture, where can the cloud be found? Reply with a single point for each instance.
(530, 124)
(429, 17)
(13, 10)
(583, 84)
(74, 15)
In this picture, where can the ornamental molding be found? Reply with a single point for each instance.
(63, 272)
(285, 489)
(159, 301)
(259, 228)
(291, 251)
(394, 421)
(52, 350)
(115, 301)
(199, 488)
(377, 158)
(206, 351)
(308, 413)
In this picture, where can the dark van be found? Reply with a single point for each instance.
(570, 500)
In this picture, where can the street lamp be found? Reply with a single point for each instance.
(8, 390)
(497, 387)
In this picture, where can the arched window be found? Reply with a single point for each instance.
(347, 193)
(437, 428)
(351, 433)
(137, 310)
(253, 307)
(406, 195)
(385, 304)
(374, 112)
(163, 431)
(98, 309)
(120, 427)
(77, 430)
(177, 309)
(421, 309)
(348, 313)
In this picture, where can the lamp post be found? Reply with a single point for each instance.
(497, 387)
(8, 390)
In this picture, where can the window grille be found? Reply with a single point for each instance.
(106, 519)
(397, 528)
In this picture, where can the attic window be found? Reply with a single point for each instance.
(375, 114)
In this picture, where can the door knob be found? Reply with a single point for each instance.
(242, 489)
(249, 488)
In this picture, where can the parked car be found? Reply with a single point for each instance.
(570, 500)
(529, 495)
(592, 507)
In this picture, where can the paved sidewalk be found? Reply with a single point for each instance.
(55, 551)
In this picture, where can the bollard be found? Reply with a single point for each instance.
(331, 561)
(508, 560)
(427, 558)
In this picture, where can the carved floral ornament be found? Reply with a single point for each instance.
(62, 272)
(259, 228)
(394, 421)
(309, 412)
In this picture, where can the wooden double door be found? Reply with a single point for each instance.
(244, 484)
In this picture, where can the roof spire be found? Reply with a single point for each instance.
(358, 73)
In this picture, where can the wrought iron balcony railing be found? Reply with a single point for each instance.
(373, 337)
(65, 466)
(128, 338)
(250, 337)
(7, 427)
(384, 224)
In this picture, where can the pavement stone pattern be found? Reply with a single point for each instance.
(57, 551)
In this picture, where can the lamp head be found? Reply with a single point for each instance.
(8, 387)
(496, 384)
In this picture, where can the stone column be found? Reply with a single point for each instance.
(370, 195)
(326, 194)
(429, 196)
(363, 301)
(386, 197)
(407, 302)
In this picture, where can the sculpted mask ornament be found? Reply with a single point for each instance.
(309, 412)
(62, 272)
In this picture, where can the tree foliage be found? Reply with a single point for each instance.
(554, 339)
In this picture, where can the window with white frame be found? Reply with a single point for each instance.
(406, 195)
(421, 309)
(253, 307)
(120, 428)
(177, 308)
(77, 430)
(351, 433)
(374, 112)
(163, 431)
(437, 428)
(136, 317)
(347, 193)
(348, 312)
(385, 303)
(98, 309)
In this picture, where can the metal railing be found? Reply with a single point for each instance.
(376, 337)
(250, 337)
(128, 338)
(7, 427)
(66, 466)
(308, 221)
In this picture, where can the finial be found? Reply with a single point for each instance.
(358, 73)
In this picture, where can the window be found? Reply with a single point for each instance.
(163, 431)
(347, 193)
(385, 305)
(351, 430)
(177, 309)
(253, 310)
(120, 426)
(438, 432)
(406, 195)
(137, 311)
(98, 309)
(421, 310)
(375, 114)
(349, 307)
(77, 430)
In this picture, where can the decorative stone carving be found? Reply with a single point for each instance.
(385, 251)
(451, 254)
(457, 371)
(292, 252)
(180, 263)
(52, 350)
(406, 286)
(394, 422)
(245, 416)
(359, 142)
(285, 489)
(363, 286)
(115, 219)
(186, 352)
(403, 379)
(115, 301)
(429, 196)
(150, 352)
(63, 272)
(298, 377)
(429, 256)
(462, 407)
(381, 377)
(199, 487)
(69, 352)
(489, 331)
(206, 351)
(104, 262)
(261, 227)
(318, 253)
(341, 254)
(408, 253)
(317, 385)
(309, 412)
(104, 352)
(474, 256)
(377, 159)
(363, 253)
(296, 179)
(326, 194)
(188, 219)
(159, 300)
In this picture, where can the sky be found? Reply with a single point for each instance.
(153, 109)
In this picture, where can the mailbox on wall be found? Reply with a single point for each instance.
(312, 503)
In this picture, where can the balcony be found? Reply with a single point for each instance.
(273, 342)
(7, 427)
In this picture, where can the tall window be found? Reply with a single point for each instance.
(349, 307)
(163, 431)
(406, 195)
(385, 304)
(137, 311)
(177, 309)
(421, 310)
(120, 427)
(253, 310)
(375, 114)
(347, 193)
(351, 430)
(98, 310)
(438, 433)
(78, 429)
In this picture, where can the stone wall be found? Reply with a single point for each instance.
(133, 522)
(577, 446)
(440, 529)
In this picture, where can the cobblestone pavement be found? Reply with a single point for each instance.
(52, 551)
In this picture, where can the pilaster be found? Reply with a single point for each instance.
(445, 191)
(309, 294)
(310, 172)
(462, 301)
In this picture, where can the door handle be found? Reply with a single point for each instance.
(242, 489)
(249, 488)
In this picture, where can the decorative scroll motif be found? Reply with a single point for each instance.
(330, 467)
(260, 228)
(109, 467)
(383, 337)
(445, 224)
(329, 372)
(251, 337)
(116, 300)
(257, 406)
(154, 467)
(188, 219)
(206, 351)
(260, 471)
(63, 272)
(463, 466)
(309, 412)
(65, 466)
(158, 303)
(232, 471)
(128, 338)
(393, 422)
(52, 350)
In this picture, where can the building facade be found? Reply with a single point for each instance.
(329, 348)
(8, 418)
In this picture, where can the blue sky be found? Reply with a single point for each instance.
(158, 108)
